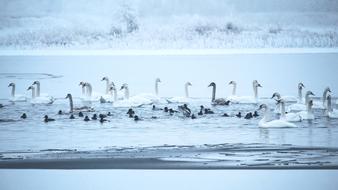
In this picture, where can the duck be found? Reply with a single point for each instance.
(201, 110)
(47, 119)
(330, 112)
(86, 118)
(81, 114)
(71, 116)
(131, 113)
(193, 116)
(184, 99)
(185, 110)
(14, 97)
(94, 117)
(292, 117)
(60, 112)
(278, 123)
(225, 115)
(102, 119)
(219, 101)
(24, 116)
(239, 115)
(248, 116)
(136, 118)
(255, 114)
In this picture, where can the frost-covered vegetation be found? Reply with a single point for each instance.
(168, 24)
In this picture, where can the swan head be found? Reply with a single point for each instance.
(82, 83)
(212, 84)
(112, 84)
(276, 95)
(232, 82)
(301, 85)
(11, 84)
(279, 101)
(104, 78)
(188, 84)
(30, 88)
(263, 107)
(36, 82)
(308, 93)
(256, 84)
(327, 89)
(158, 80)
(124, 86)
(68, 96)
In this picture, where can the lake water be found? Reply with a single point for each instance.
(60, 75)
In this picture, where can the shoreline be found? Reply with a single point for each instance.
(163, 52)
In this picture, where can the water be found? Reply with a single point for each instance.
(60, 75)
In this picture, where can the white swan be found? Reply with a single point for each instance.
(108, 84)
(301, 106)
(300, 93)
(308, 114)
(14, 97)
(278, 123)
(72, 108)
(42, 98)
(38, 100)
(330, 112)
(293, 117)
(219, 101)
(322, 105)
(83, 87)
(134, 101)
(244, 99)
(181, 99)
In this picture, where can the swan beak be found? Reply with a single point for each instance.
(259, 85)
(122, 87)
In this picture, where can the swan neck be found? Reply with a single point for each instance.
(186, 91)
(329, 104)
(213, 93)
(126, 93)
(13, 91)
(255, 92)
(324, 97)
(234, 89)
(309, 108)
(71, 103)
(33, 93)
(83, 90)
(115, 94)
(156, 88)
(300, 95)
(38, 89)
(89, 90)
(307, 98)
(107, 86)
(282, 109)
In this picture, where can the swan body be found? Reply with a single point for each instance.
(134, 101)
(16, 97)
(308, 114)
(219, 101)
(181, 99)
(244, 99)
(291, 117)
(330, 112)
(278, 123)
(301, 106)
(41, 98)
(73, 109)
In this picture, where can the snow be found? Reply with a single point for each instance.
(168, 24)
